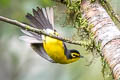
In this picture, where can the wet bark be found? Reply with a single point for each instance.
(105, 32)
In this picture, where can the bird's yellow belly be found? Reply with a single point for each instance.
(55, 49)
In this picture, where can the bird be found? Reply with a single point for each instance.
(51, 49)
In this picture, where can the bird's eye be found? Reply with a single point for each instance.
(75, 55)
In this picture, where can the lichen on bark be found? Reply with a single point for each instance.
(87, 30)
(94, 21)
(81, 24)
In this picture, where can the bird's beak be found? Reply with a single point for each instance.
(81, 56)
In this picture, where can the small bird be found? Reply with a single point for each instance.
(51, 49)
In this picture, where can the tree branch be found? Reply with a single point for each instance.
(110, 10)
(39, 31)
(106, 32)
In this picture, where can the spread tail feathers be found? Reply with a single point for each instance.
(42, 19)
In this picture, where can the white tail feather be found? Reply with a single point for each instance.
(52, 17)
(44, 12)
(48, 13)
(26, 32)
(29, 39)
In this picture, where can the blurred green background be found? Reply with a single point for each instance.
(19, 62)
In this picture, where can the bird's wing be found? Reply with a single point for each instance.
(50, 16)
(38, 48)
(36, 44)
(42, 19)
(66, 51)
(31, 37)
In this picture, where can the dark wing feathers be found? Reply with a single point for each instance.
(41, 15)
(38, 17)
(40, 50)
(42, 18)
(33, 20)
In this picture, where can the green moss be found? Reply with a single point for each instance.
(106, 71)
(81, 24)
(110, 11)
(27, 28)
(85, 33)
(92, 1)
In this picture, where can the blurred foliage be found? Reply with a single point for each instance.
(4, 2)
(19, 62)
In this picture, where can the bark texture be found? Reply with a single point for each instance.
(105, 32)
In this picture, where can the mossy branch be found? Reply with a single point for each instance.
(39, 31)
(110, 10)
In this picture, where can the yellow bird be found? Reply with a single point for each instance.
(51, 49)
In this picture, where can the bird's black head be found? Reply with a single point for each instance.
(75, 54)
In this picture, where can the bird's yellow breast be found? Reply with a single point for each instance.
(55, 49)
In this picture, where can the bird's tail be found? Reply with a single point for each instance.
(42, 18)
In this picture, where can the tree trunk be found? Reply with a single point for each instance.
(105, 32)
